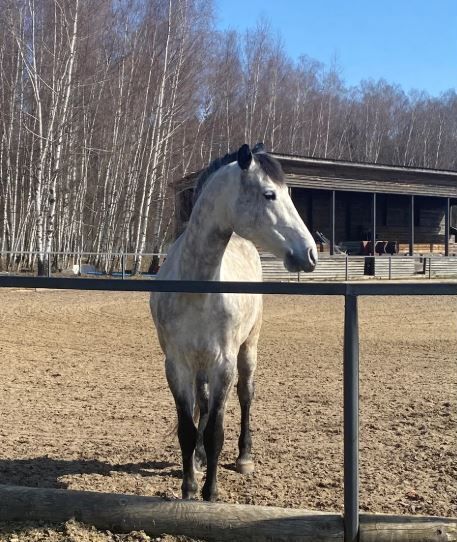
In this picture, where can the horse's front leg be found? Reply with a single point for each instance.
(203, 405)
(247, 361)
(181, 384)
(220, 382)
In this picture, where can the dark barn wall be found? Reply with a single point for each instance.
(359, 216)
(454, 215)
(394, 219)
(353, 215)
(302, 199)
(314, 207)
(313, 180)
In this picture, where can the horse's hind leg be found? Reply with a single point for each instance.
(247, 361)
(181, 384)
(202, 402)
(220, 382)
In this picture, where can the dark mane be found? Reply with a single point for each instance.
(212, 168)
(271, 167)
(267, 163)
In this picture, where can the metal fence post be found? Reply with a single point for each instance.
(390, 267)
(347, 268)
(351, 419)
(430, 267)
(49, 264)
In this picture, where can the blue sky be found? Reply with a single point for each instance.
(409, 42)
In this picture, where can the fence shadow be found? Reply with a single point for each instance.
(46, 472)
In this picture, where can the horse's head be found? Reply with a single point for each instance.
(265, 214)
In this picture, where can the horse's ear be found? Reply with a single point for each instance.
(259, 147)
(244, 156)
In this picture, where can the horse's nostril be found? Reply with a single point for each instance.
(312, 258)
(304, 261)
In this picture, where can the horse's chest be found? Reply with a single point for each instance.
(204, 326)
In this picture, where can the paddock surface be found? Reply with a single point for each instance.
(84, 404)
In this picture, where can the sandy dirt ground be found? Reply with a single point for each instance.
(84, 405)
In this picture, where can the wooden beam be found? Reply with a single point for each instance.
(210, 521)
(332, 222)
(310, 223)
(343, 184)
(392, 528)
(348, 205)
(373, 224)
(411, 226)
(156, 516)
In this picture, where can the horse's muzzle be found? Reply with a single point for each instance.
(306, 261)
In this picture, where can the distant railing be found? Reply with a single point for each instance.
(79, 262)
(354, 267)
(337, 267)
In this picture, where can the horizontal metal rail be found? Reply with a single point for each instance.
(349, 290)
(196, 286)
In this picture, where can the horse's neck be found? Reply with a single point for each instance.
(204, 243)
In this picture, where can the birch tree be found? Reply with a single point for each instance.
(105, 104)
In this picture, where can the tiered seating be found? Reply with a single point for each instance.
(328, 268)
(441, 267)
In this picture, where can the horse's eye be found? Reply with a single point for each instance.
(270, 195)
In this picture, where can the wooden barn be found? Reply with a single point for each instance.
(388, 213)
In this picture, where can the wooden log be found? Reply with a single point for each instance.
(389, 528)
(210, 521)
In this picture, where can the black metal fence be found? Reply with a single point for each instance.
(339, 267)
(350, 291)
(70, 263)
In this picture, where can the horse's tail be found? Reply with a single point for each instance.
(201, 395)
(196, 413)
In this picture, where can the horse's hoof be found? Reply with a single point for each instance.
(189, 495)
(208, 494)
(245, 466)
(189, 490)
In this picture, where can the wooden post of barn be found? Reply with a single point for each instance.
(411, 226)
(446, 225)
(332, 222)
(373, 224)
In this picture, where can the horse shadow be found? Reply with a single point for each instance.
(47, 472)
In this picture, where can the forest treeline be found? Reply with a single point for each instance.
(105, 104)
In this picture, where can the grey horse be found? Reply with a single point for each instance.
(241, 201)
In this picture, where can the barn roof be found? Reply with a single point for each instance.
(325, 174)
